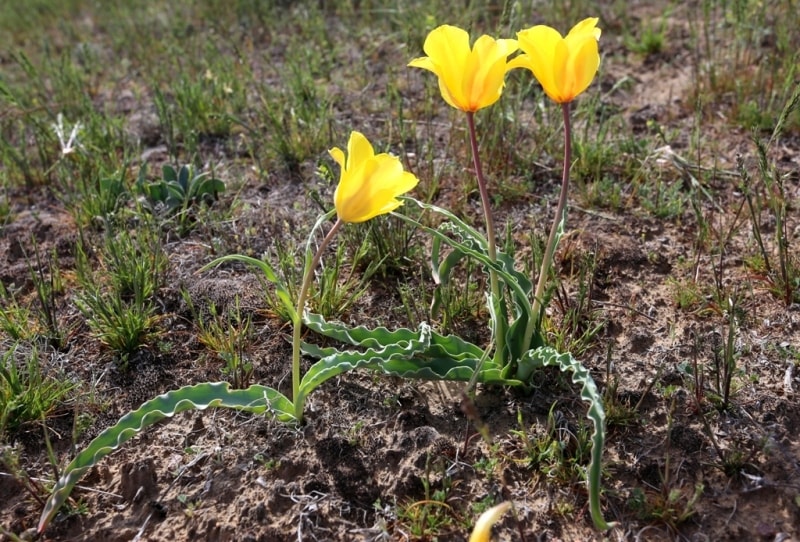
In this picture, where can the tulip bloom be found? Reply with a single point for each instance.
(564, 66)
(470, 78)
(483, 527)
(369, 182)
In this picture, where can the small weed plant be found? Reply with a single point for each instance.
(229, 335)
(672, 504)
(27, 394)
(471, 78)
(766, 194)
(46, 277)
(118, 300)
(177, 194)
(15, 318)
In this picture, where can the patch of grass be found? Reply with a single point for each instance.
(123, 327)
(30, 138)
(686, 293)
(429, 517)
(746, 59)
(650, 38)
(725, 357)
(133, 261)
(290, 266)
(767, 195)
(16, 320)
(672, 508)
(340, 284)
(558, 450)
(620, 412)
(671, 504)
(27, 393)
(457, 302)
(342, 279)
(414, 303)
(200, 107)
(99, 198)
(505, 142)
(663, 199)
(578, 322)
(392, 243)
(229, 336)
(46, 278)
(118, 300)
(607, 158)
(297, 119)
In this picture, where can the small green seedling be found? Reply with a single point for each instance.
(177, 192)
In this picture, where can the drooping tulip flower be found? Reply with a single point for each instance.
(483, 527)
(470, 78)
(564, 66)
(369, 183)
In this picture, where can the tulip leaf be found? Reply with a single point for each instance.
(548, 356)
(380, 337)
(269, 273)
(475, 240)
(256, 399)
(515, 282)
(422, 354)
(440, 270)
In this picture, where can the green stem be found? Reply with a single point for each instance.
(297, 323)
(560, 218)
(490, 238)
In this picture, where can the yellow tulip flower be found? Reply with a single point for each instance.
(483, 527)
(470, 78)
(564, 66)
(369, 183)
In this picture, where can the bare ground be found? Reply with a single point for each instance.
(372, 442)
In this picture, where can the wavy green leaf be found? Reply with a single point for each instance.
(422, 354)
(379, 337)
(546, 356)
(339, 362)
(256, 399)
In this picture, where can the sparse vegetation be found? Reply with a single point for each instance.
(138, 144)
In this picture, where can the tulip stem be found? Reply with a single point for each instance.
(490, 238)
(308, 276)
(558, 222)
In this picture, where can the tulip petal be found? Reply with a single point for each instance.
(379, 188)
(584, 64)
(564, 66)
(483, 527)
(369, 184)
(423, 62)
(448, 97)
(563, 79)
(338, 155)
(359, 149)
(449, 48)
(539, 44)
(470, 78)
(521, 61)
(487, 68)
(586, 26)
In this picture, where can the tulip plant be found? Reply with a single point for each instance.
(470, 78)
